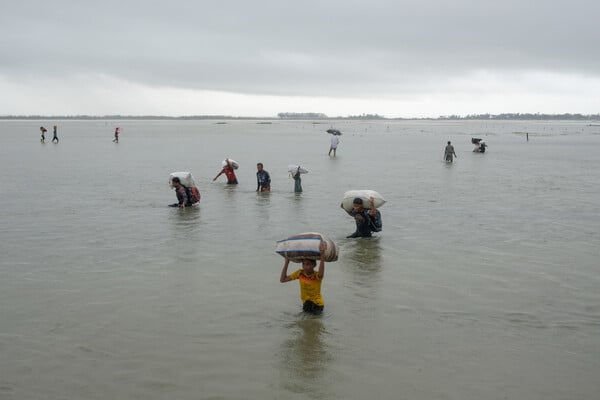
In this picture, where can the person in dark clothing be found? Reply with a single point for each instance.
(366, 219)
(183, 199)
(263, 179)
(43, 131)
(449, 153)
(297, 181)
(55, 137)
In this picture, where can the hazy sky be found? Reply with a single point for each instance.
(258, 58)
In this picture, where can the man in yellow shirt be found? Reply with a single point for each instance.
(310, 281)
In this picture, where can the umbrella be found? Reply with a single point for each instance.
(334, 132)
(293, 168)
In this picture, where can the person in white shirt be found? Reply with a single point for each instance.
(335, 140)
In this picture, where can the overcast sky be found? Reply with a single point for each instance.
(421, 58)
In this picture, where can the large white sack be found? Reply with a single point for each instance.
(306, 246)
(363, 194)
(185, 177)
(234, 163)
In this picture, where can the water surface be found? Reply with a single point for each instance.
(483, 284)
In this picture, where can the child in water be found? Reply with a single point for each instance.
(310, 282)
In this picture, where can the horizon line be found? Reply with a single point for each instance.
(313, 116)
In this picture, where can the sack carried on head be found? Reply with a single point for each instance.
(306, 246)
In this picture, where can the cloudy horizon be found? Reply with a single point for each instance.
(395, 59)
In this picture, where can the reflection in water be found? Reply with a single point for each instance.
(362, 258)
(263, 199)
(185, 221)
(305, 357)
(230, 191)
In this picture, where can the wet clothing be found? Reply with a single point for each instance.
(182, 196)
(312, 308)
(55, 135)
(335, 140)
(310, 287)
(363, 223)
(297, 183)
(230, 174)
(263, 180)
(449, 153)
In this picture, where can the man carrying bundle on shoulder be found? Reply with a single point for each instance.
(186, 197)
(367, 220)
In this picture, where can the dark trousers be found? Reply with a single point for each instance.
(312, 308)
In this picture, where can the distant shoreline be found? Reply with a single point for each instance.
(316, 117)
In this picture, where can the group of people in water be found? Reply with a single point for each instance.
(55, 134)
(366, 216)
(367, 219)
(54, 137)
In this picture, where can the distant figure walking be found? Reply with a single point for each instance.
(449, 153)
(43, 131)
(335, 140)
(117, 131)
(263, 179)
(297, 181)
(55, 137)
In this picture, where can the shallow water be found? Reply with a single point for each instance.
(484, 282)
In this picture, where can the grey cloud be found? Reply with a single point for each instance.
(296, 48)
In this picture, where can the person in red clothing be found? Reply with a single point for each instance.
(228, 170)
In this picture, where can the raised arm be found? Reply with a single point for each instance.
(322, 248)
(372, 210)
(284, 275)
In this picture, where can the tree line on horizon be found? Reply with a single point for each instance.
(314, 116)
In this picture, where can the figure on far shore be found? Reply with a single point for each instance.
(55, 135)
(449, 153)
(43, 131)
(335, 140)
(228, 170)
(263, 179)
(117, 131)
